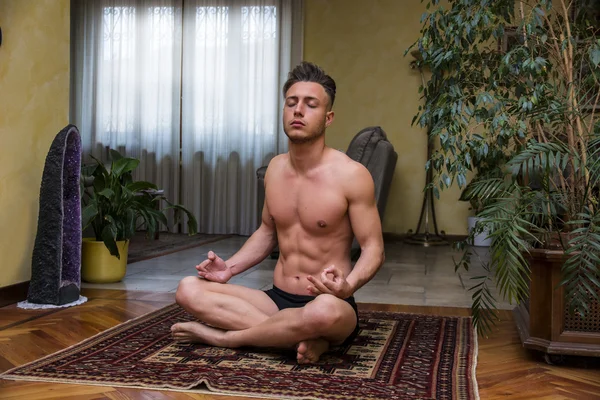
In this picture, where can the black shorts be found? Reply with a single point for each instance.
(285, 300)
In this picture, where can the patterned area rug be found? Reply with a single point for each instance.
(143, 248)
(395, 356)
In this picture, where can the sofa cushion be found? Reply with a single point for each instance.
(363, 145)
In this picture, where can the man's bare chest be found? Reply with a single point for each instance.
(319, 207)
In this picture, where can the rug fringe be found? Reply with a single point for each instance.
(474, 369)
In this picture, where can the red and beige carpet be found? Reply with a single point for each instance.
(395, 356)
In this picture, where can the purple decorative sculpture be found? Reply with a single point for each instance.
(56, 262)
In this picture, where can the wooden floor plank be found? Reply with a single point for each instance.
(504, 369)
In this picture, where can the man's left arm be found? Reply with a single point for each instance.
(366, 225)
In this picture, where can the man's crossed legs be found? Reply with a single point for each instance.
(236, 316)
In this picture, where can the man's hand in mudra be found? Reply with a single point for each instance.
(214, 269)
(332, 282)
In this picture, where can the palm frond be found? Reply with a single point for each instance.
(593, 163)
(483, 309)
(541, 159)
(484, 189)
(508, 219)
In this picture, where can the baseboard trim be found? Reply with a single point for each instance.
(399, 237)
(14, 293)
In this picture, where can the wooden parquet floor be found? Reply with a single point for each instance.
(504, 369)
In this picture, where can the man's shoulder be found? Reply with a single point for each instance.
(353, 176)
(278, 161)
(276, 164)
(346, 166)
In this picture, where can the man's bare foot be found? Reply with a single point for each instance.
(195, 332)
(309, 351)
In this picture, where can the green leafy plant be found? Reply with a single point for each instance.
(115, 205)
(487, 162)
(519, 80)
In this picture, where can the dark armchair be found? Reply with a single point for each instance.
(371, 148)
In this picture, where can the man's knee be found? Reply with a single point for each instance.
(327, 312)
(189, 287)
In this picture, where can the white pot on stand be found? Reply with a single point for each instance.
(481, 239)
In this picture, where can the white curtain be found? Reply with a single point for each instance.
(126, 84)
(193, 89)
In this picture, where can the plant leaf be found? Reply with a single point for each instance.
(88, 213)
(109, 234)
(124, 165)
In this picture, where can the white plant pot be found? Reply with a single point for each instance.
(481, 239)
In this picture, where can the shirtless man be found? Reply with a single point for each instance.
(316, 199)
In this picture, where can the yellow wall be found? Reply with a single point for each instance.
(361, 45)
(34, 107)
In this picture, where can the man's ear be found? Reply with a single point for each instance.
(329, 118)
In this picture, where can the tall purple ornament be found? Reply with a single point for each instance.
(56, 261)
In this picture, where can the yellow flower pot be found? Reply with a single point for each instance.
(99, 266)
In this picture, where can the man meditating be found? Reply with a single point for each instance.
(316, 199)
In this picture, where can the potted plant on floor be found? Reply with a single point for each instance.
(115, 206)
(523, 77)
(487, 163)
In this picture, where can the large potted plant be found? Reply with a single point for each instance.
(522, 78)
(115, 206)
(487, 163)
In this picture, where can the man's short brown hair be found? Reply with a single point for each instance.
(309, 72)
